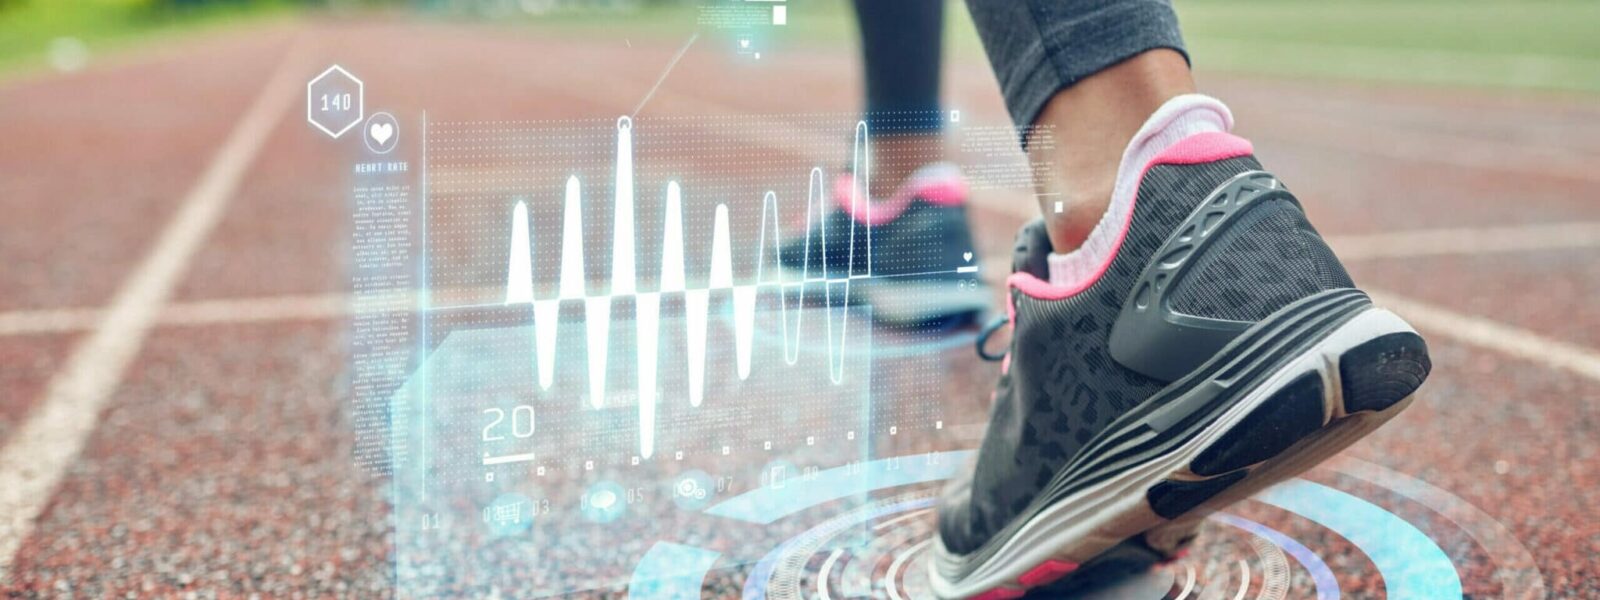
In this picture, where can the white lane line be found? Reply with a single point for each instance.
(1416, 147)
(1465, 241)
(204, 312)
(1416, 243)
(1469, 241)
(45, 445)
(1468, 329)
(1480, 332)
(822, 575)
(48, 320)
(1472, 330)
(260, 309)
(252, 310)
(1484, 333)
(1411, 243)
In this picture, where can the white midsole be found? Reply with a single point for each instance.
(1100, 516)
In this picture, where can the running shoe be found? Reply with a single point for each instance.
(1220, 348)
(907, 252)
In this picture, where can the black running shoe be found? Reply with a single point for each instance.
(920, 240)
(1220, 349)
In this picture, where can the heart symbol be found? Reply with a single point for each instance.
(967, 256)
(744, 43)
(381, 132)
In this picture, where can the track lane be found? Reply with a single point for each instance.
(225, 399)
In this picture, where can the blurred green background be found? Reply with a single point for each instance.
(1540, 45)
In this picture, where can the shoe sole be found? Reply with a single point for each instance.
(1341, 388)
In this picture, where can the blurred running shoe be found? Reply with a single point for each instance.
(910, 255)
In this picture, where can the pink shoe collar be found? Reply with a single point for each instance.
(937, 183)
(1197, 148)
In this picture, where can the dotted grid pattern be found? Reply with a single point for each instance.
(481, 170)
(779, 403)
(477, 171)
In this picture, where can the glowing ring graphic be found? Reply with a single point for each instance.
(1412, 564)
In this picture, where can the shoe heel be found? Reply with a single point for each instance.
(1375, 376)
(1383, 371)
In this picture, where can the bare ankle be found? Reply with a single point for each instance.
(1089, 126)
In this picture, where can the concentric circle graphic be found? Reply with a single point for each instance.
(1338, 532)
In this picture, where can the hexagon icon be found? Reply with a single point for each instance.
(334, 101)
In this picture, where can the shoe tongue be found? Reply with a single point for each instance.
(1031, 254)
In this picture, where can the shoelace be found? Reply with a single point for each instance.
(985, 334)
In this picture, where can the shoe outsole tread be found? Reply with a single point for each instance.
(1299, 425)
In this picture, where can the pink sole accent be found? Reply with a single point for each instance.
(1047, 572)
(943, 191)
(1000, 593)
(1197, 148)
(1175, 558)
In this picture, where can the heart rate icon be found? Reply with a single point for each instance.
(381, 132)
(967, 256)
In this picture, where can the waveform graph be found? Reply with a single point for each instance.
(788, 287)
(618, 304)
(645, 264)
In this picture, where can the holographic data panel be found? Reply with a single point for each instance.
(615, 348)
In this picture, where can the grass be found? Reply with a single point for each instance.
(29, 27)
(1540, 44)
(1498, 43)
(1551, 28)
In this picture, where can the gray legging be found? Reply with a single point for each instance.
(1037, 48)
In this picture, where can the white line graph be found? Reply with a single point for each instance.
(673, 280)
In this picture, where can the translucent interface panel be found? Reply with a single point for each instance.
(619, 381)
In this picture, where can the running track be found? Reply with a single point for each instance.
(172, 302)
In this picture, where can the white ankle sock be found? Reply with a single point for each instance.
(1177, 119)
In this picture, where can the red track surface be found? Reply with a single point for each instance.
(221, 463)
